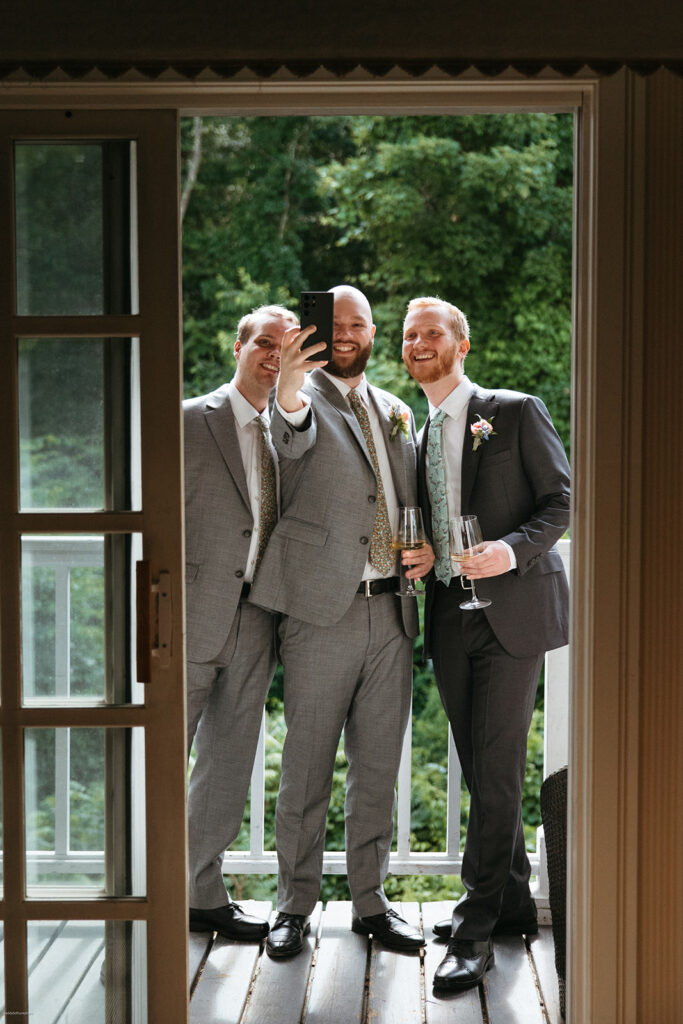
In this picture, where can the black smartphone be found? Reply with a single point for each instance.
(318, 308)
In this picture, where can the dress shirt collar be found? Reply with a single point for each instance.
(456, 401)
(344, 387)
(244, 412)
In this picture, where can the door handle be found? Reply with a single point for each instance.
(154, 621)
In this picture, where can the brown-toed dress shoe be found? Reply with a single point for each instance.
(229, 921)
(465, 964)
(287, 934)
(391, 930)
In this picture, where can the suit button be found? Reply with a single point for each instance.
(239, 574)
(246, 533)
(364, 540)
(372, 499)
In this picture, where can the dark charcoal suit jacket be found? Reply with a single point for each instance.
(517, 483)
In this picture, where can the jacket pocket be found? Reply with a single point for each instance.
(299, 529)
(191, 571)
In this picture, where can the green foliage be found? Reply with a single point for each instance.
(477, 210)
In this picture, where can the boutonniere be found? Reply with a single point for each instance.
(482, 431)
(399, 421)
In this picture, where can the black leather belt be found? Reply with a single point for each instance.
(370, 588)
(246, 587)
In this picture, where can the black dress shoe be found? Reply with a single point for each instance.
(391, 930)
(287, 934)
(526, 924)
(229, 921)
(465, 964)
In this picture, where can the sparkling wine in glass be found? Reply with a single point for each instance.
(465, 542)
(409, 535)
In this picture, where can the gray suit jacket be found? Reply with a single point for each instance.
(218, 522)
(517, 483)
(316, 555)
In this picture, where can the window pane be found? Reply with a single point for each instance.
(73, 228)
(77, 616)
(85, 810)
(84, 972)
(79, 423)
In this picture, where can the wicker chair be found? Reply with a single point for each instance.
(554, 815)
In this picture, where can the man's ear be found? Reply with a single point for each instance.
(236, 349)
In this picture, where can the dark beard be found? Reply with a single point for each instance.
(353, 369)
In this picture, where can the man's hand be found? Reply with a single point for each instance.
(420, 560)
(294, 366)
(492, 560)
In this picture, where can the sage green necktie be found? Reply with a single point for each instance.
(268, 503)
(436, 479)
(382, 556)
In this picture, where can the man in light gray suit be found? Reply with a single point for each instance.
(345, 636)
(230, 509)
(496, 455)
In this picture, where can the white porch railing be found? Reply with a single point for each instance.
(65, 552)
(444, 862)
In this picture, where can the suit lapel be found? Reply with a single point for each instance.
(320, 382)
(422, 489)
(479, 405)
(396, 448)
(220, 420)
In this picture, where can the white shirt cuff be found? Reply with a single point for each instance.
(295, 419)
(513, 557)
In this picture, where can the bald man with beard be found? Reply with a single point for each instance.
(346, 636)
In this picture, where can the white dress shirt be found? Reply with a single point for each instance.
(297, 418)
(455, 406)
(248, 436)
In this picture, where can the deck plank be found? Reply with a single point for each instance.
(543, 952)
(198, 948)
(395, 982)
(279, 990)
(338, 983)
(511, 992)
(445, 1008)
(225, 981)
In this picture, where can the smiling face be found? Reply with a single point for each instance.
(431, 350)
(353, 334)
(258, 358)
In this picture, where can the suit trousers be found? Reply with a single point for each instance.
(225, 706)
(489, 698)
(355, 676)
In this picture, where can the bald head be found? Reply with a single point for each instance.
(347, 291)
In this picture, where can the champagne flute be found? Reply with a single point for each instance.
(409, 535)
(465, 542)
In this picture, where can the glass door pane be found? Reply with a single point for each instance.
(94, 917)
(73, 227)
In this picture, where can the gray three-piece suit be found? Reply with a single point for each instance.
(347, 658)
(230, 643)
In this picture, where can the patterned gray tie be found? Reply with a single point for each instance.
(382, 555)
(436, 480)
(268, 504)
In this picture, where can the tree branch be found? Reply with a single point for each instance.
(192, 165)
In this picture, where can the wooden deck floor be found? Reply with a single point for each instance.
(342, 978)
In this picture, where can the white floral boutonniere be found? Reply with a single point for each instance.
(399, 422)
(482, 431)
